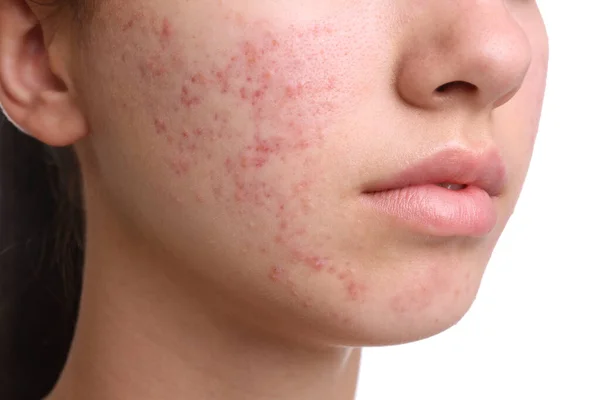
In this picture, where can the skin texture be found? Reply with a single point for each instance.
(225, 147)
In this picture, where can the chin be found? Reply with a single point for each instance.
(410, 302)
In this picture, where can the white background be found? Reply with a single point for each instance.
(534, 329)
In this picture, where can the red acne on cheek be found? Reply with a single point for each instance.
(153, 67)
(316, 263)
(266, 76)
(187, 99)
(131, 22)
(257, 96)
(356, 291)
(128, 25)
(160, 126)
(167, 30)
(222, 80)
(180, 167)
(256, 162)
(277, 274)
(163, 29)
(344, 275)
(301, 187)
(199, 79)
(250, 53)
(293, 91)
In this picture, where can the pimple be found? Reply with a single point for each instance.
(187, 99)
(167, 30)
(222, 79)
(317, 263)
(131, 21)
(257, 95)
(128, 25)
(198, 131)
(198, 78)
(250, 53)
(344, 275)
(300, 187)
(153, 66)
(266, 76)
(160, 126)
(277, 274)
(180, 167)
(356, 291)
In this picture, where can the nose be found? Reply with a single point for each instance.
(463, 53)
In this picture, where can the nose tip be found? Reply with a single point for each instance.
(479, 59)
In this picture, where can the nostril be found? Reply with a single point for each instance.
(456, 84)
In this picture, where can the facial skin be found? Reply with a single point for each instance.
(225, 147)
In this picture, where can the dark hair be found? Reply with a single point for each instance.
(41, 261)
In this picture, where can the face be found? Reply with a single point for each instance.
(241, 138)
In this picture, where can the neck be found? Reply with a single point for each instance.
(144, 334)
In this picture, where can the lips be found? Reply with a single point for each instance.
(482, 169)
(450, 193)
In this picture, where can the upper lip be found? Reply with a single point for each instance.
(484, 169)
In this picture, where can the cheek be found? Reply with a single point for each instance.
(237, 114)
(258, 99)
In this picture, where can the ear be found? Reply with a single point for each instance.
(35, 93)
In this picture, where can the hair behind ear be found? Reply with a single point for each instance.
(41, 253)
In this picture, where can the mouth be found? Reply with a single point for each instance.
(451, 168)
(450, 193)
(452, 186)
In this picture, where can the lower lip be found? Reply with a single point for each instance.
(434, 210)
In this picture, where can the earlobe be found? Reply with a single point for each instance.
(32, 94)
